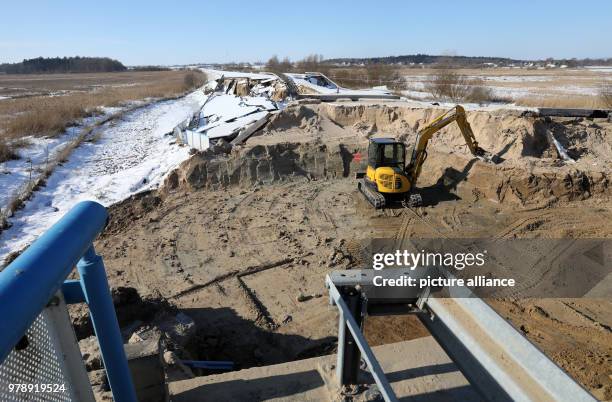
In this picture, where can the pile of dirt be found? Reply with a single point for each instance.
(525, 184)
(133, 208)
(513, 184)
(539, 187)
(261, 164)
(130, 308)
(513, 135)
(584, 139)
(295, 115)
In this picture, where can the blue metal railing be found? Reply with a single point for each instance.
(29, 282)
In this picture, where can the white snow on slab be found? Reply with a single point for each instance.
(227, 107)
(259, 101)
(132, 155)
(232, 127)
(4, 97)
(307, 81)
(224, 115)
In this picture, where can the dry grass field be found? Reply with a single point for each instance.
(18, 85)
(45, 104)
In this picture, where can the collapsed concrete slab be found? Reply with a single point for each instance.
(318, 86)
(227, 117)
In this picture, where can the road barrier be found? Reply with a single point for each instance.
(39, 354)
(498, 361)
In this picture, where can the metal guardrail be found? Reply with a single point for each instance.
(497, 360)
(347, 366)
(29, 283)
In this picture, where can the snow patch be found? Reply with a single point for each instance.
(130, 156)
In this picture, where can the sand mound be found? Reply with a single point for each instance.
(330, 141)
(263, 164)
(295, 116)
(288, 161)
(509, 134)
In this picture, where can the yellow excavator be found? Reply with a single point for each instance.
(389, 178)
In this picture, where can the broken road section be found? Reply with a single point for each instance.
(318, 86)
(240, 104)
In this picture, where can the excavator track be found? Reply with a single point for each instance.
(375, 198)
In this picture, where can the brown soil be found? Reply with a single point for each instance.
(242, 242)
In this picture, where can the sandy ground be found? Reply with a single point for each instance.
(247, 258)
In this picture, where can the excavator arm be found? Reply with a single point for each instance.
(419, 152)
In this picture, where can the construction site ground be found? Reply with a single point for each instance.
(242, 242)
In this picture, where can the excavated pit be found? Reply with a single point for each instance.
(241, 241)
(531, 172)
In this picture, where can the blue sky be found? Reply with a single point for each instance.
(178, 32)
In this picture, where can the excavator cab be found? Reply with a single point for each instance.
(385, 177)
(386, 152)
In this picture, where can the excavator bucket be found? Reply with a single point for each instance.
(488, 157)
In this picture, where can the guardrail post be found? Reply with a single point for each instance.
(106, 327)
(349, 356)
(28, 283)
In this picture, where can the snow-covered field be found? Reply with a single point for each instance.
(15, 174)
(514, 87)
(131, 155)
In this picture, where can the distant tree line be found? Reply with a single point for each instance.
(425, 59)
(466, 61)
(150, 68)
(63, 65)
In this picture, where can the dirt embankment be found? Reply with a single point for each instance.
(330, 141)
(512, 134)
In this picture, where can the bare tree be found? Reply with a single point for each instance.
(447, 84)
(379, 74)
(276, 66)
(313, 63)
(273, 64)
(286, 65)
